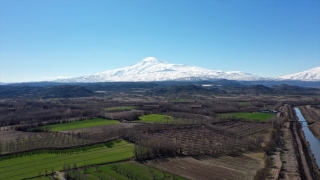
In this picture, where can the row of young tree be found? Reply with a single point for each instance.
(172, 140)
(55, 140)
(26, 111)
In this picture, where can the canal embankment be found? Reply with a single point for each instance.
(312, 117)
(307, 146)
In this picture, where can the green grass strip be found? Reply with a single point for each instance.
(122, 108)
(155, 118)
(81, 124)
(263, 117)
(29, 166)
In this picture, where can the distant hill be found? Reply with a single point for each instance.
(166, 88)
(65, 91)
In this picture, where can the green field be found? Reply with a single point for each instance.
(156, 118)
(31, 165)
(244, 103)
(81, 124)
(250, 116)
(122, 108)
(127, 170)
(181, 101)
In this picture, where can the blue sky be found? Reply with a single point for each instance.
(40, 40)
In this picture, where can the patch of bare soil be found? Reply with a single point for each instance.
(275, 170)
(225, 167)
(99, 129)
(11, 135)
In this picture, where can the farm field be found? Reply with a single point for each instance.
(122, 108)
(31, 165)
(250, 116)
(128, 170)
(225, 167)
(81, 124)
(155, 118)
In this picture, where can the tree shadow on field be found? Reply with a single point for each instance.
(235, 154)
(214, 156)
(157, 160)
(109, 144)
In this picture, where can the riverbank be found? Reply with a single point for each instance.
(312, 118)
(310, 168)
(296, 155)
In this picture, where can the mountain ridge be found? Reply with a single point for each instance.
(151, 69)
(312, 74)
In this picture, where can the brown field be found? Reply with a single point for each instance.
(225, 167)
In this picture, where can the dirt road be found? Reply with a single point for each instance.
(304, 163)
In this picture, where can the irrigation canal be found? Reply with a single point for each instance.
(313, 141)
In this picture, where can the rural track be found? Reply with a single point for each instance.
(278, 165)
(304, 163)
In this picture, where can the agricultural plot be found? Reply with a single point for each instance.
(56, 140)
(128, 170)
(216, 139)
(81, 124)
(156, 118)
(30, 165)
(263, 117)
(225, 167)
(122, 108)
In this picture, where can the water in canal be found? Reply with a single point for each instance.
(313, 141)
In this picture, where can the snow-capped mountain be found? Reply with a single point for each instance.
(308, 75)
(151, 69)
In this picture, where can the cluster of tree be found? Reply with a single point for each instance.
(73, 172)
(124, 115)
(33, 128)
(23, 111)
(55, 140)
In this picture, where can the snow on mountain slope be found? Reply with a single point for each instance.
(151, 69)
(308, 75)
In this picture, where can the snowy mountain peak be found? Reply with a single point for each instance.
(307, 75)
(150, 59)
(151, 69)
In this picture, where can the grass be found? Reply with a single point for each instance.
(244, 103)
(181, 101)
(155, 118)
(81, 124)
(128, 170)
(30, 166)
(249, 116)
(122, 108)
